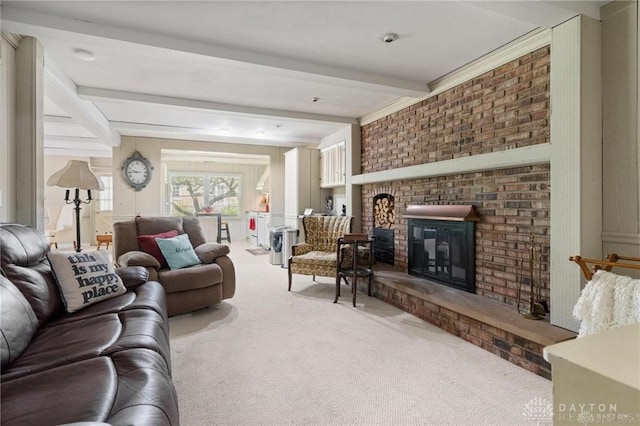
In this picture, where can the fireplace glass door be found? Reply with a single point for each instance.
(443, 251)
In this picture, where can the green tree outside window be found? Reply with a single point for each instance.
(204, 193)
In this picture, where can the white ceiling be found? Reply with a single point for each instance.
(248, 71)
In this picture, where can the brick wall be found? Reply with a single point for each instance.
(503, 109)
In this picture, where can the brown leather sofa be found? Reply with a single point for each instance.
(187, 289)
(109, 362)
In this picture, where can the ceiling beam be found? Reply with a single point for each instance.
(39, 24)
(214, 157)
(205, 135)
(62, 91)
(97, 94)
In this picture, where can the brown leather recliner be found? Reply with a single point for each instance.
(187, 289)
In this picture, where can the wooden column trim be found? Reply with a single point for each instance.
(30, 133)
(576, 170)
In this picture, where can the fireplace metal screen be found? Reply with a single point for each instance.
(443, 251)
(383, 248)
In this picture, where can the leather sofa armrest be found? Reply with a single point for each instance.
(138, 258)
(208, 252)
(133, 276)
(301, 248)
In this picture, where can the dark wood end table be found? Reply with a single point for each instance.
(350, 248)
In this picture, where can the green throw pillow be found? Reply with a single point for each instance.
(178, 251)
(85, 278)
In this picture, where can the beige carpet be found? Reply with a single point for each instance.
(270, 357)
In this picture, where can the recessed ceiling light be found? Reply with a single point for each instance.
(84, 55)
(389, 37)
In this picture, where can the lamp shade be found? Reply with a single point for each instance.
(76, 174)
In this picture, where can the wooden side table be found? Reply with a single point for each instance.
(104, 239)
(349, 247)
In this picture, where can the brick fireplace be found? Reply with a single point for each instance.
(512, 204)
(503, 109)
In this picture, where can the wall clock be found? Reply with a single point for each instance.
(137, 171)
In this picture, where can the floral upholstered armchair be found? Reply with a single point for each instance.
(317, 255)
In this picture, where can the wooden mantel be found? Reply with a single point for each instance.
(458, 213)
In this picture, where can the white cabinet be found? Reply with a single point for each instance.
(263, 230)
(258, 224)
(252, 226)
(302, 185)
(333, 165)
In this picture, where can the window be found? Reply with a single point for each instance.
(193, 193)
(105, 197)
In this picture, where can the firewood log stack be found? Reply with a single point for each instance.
(383, 213)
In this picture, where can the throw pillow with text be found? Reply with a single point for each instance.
(178, 251)
(85, 278)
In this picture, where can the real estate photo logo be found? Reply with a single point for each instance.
(539, 410)
(585, 413)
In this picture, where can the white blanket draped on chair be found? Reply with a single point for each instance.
(607, 301)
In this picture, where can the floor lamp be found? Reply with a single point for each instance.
(76, 175)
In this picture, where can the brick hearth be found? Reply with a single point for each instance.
(491, 325)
